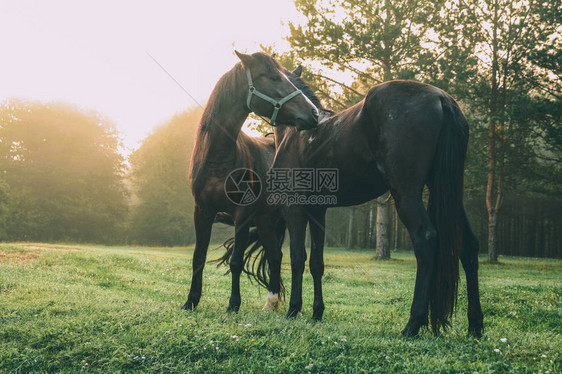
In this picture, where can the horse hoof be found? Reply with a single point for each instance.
(271, 301)
(409, 332)
(316, 318)
(318, 312)
(475, 331)
(232, 309)
(293, 313)
(189, 306)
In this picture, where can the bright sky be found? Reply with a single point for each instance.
(95, 54)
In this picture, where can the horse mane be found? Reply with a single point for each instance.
(222, 97)
(307, 91)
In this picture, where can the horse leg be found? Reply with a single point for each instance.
(237, 263)
(423, 234)
(267, 229)
(317, 233)
(296, 223)
(469, 260)
(203, 224)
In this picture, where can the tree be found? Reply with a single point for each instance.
(383, 230)
(4, 213)
(351, 228)
(373, 41)
(509, 52)
(63, 174)
(162, 208)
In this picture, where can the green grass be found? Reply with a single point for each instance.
(108, 309)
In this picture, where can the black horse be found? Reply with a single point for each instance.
(226, 160)
(402, 136)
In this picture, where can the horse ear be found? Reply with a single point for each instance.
(298, 71)
(246, 59)
(273, 54)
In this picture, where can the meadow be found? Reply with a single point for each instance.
(74, 308)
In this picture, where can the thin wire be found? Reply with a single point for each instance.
(174, 79)
(226, 132)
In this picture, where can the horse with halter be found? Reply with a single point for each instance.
(225, 159)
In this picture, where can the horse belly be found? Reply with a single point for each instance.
(358, 188)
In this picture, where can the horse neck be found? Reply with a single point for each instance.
(285, 144)
(281, 132)
(222, 133)
(222, 120)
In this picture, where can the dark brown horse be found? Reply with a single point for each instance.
(227, 165)
(403, 136)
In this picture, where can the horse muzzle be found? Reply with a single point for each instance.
(307, 123)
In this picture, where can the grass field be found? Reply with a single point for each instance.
(77, 308)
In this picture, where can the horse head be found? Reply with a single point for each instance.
(271, 94)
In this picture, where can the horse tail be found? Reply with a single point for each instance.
(255, 261)
(445, 208)
(280, 231)
(254, 243)
(225, 259)
(227, 219)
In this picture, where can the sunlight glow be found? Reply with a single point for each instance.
(94, 54)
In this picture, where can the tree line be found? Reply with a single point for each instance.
(500, 59)
(61, 175)
(63, 178)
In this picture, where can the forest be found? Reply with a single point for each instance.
(64, 177)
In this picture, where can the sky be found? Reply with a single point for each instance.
(99, 55)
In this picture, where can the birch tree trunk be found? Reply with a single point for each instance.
(351, 229)
(372, 226)
(383, 228)
(494, 186)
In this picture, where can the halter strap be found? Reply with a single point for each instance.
(276, 104)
